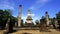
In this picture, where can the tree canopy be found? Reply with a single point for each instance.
(4, 15)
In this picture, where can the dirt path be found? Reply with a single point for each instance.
(53, 31)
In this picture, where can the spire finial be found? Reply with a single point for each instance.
(20, 5)
(46, 12)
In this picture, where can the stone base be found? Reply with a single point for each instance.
(29, 24)
(44, 29)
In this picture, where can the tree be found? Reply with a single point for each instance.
(37, 22)
(13, 19)
(58, 18)
(22, 24)
(53, 22)
(4, 15)
(1, 13)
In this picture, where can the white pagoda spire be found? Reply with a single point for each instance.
(19, 15)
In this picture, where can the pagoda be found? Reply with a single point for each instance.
(29, 19)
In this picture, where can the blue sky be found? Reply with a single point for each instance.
(37, 7)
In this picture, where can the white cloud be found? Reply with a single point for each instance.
(35, 18)
(32, 15)
(24, 17)
(14, 16)
(42, 1)
(5, 4)
(38, 4)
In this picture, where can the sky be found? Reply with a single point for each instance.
(37, 7)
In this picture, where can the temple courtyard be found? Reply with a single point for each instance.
(53, 31)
